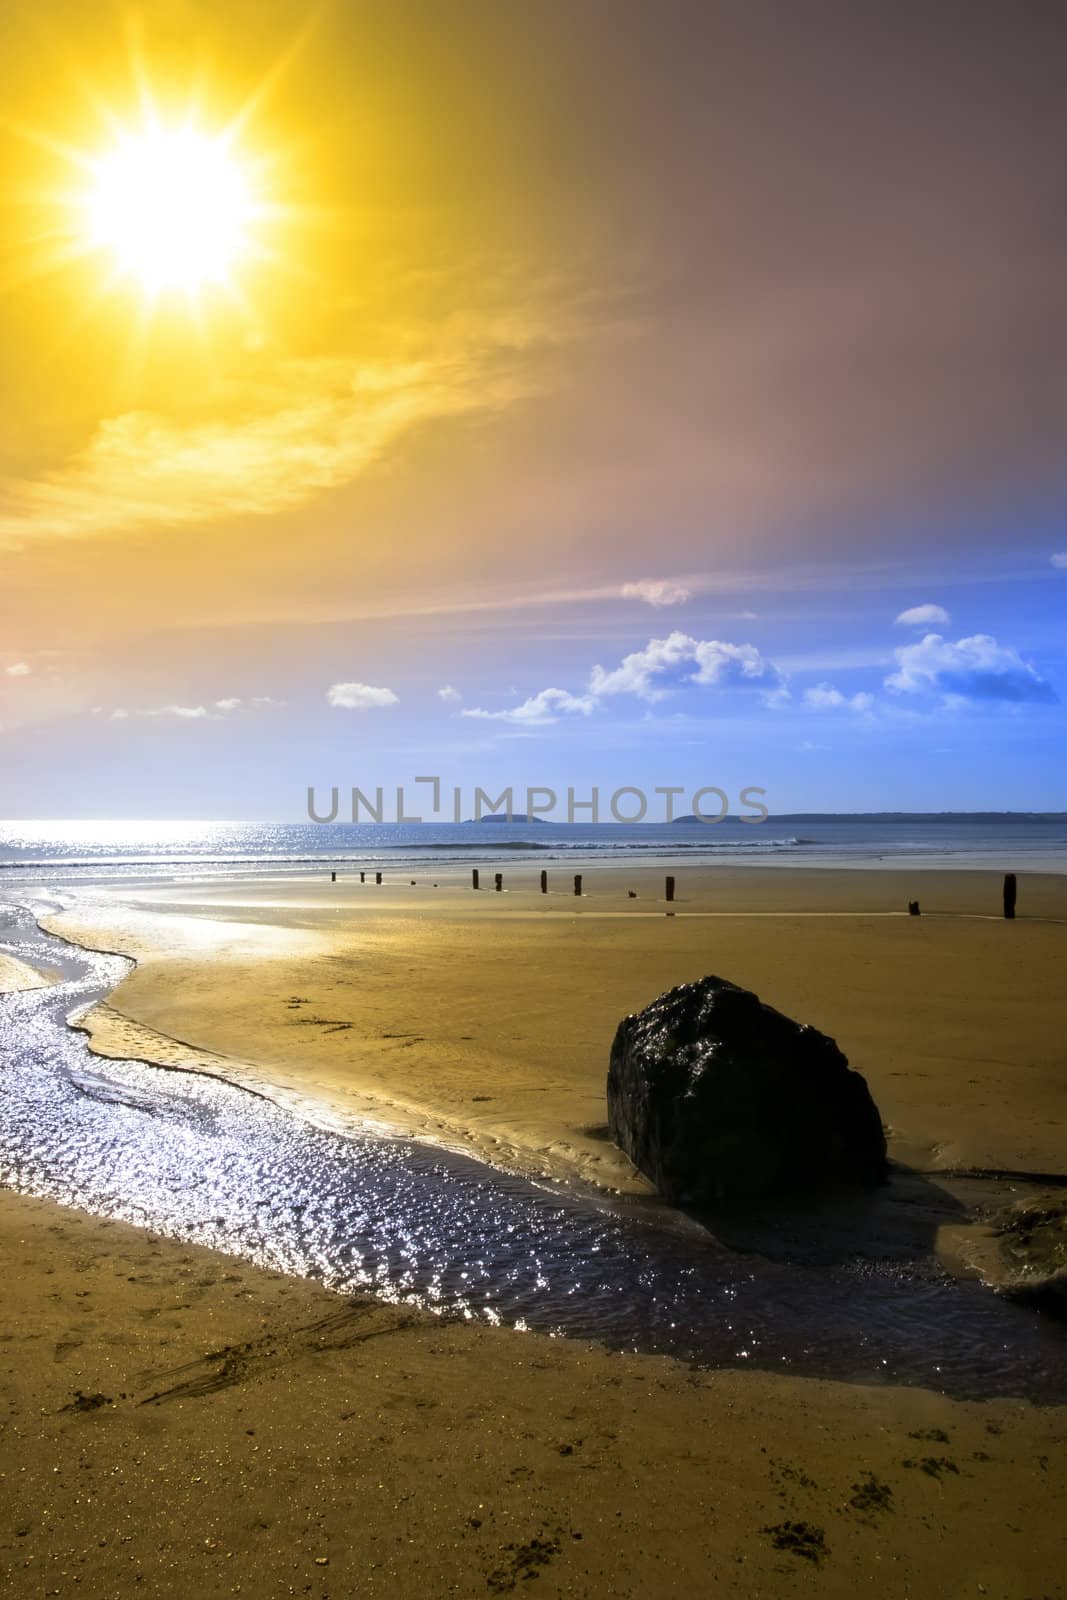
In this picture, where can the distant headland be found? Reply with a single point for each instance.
(883, 816)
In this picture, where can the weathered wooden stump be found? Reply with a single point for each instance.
(544, 882)
(670, 888)
(1010, 891)
(577, 883)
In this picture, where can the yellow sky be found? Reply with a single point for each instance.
(412, 266)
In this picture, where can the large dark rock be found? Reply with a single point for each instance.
(719, 1099)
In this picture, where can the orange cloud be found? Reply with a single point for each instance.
(318, 424)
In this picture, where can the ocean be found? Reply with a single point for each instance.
(95, 851)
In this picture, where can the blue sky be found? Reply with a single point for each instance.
(867, 692)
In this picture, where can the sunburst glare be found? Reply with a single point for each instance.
(173, 206)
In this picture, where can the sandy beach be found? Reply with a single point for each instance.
(484, 1020)
(16, 976)
(178, 1422)
(179, 1419)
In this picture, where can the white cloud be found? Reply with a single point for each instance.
(183, 713)
(217, 710)
(539, 710)
(977, 668)
(449, 694)
(359, 697)
(1059, 559)
(653, 672)
(743, 616)
(924, 616)
(824, 697)
(19, 669)
(236, 703)
(657, 592)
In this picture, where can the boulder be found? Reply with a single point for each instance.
(720, 1099)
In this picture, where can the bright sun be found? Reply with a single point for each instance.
(173, 206)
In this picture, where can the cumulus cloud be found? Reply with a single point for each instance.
(651, 675)
(449, 694)
(656, 592)
(824, 697)
(665, 664)
(19, 669)
(539, 710)
(977, 668)
(1059, 559)
(924, 616)
(359, 697)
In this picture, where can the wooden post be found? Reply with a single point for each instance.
(474, 878)
(1009, 895)
(333, 877)
(670, 888)
(498, 881)
(577, 883)
(544, 881)
(377, 877)
(363, 877)
(913, 908)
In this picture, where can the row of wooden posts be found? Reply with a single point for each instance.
(498, 881)
(1010, 888)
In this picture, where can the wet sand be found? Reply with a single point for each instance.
(485, 1020)
(176, 1421)
(18, 975)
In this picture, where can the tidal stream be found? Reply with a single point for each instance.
(196, 1158)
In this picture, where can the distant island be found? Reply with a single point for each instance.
(496, 816)
(693, 821)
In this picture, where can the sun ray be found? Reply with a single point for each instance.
(274, 74)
